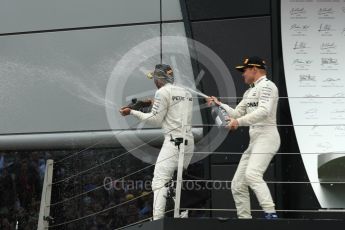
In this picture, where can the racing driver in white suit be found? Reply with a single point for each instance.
(171, 105)
(258, 110)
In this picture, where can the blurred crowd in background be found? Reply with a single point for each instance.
(119, 189)
(94, 189)
(21, 179)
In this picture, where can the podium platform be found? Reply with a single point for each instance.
(236, 224)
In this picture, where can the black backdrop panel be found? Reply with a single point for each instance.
(231, 40)
(207, 9)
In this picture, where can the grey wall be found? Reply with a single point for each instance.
(36, 15)
(56, 81)
(56, 59)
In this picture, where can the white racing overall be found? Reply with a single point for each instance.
(171, 105)
(258, 110)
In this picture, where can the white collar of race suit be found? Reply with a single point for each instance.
(166, 84)
(260, 79)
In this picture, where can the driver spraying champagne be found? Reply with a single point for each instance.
(257, 109)
(172, 105)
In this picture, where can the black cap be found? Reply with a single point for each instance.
(251, 62)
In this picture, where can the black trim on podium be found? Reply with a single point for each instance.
(237, 224)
